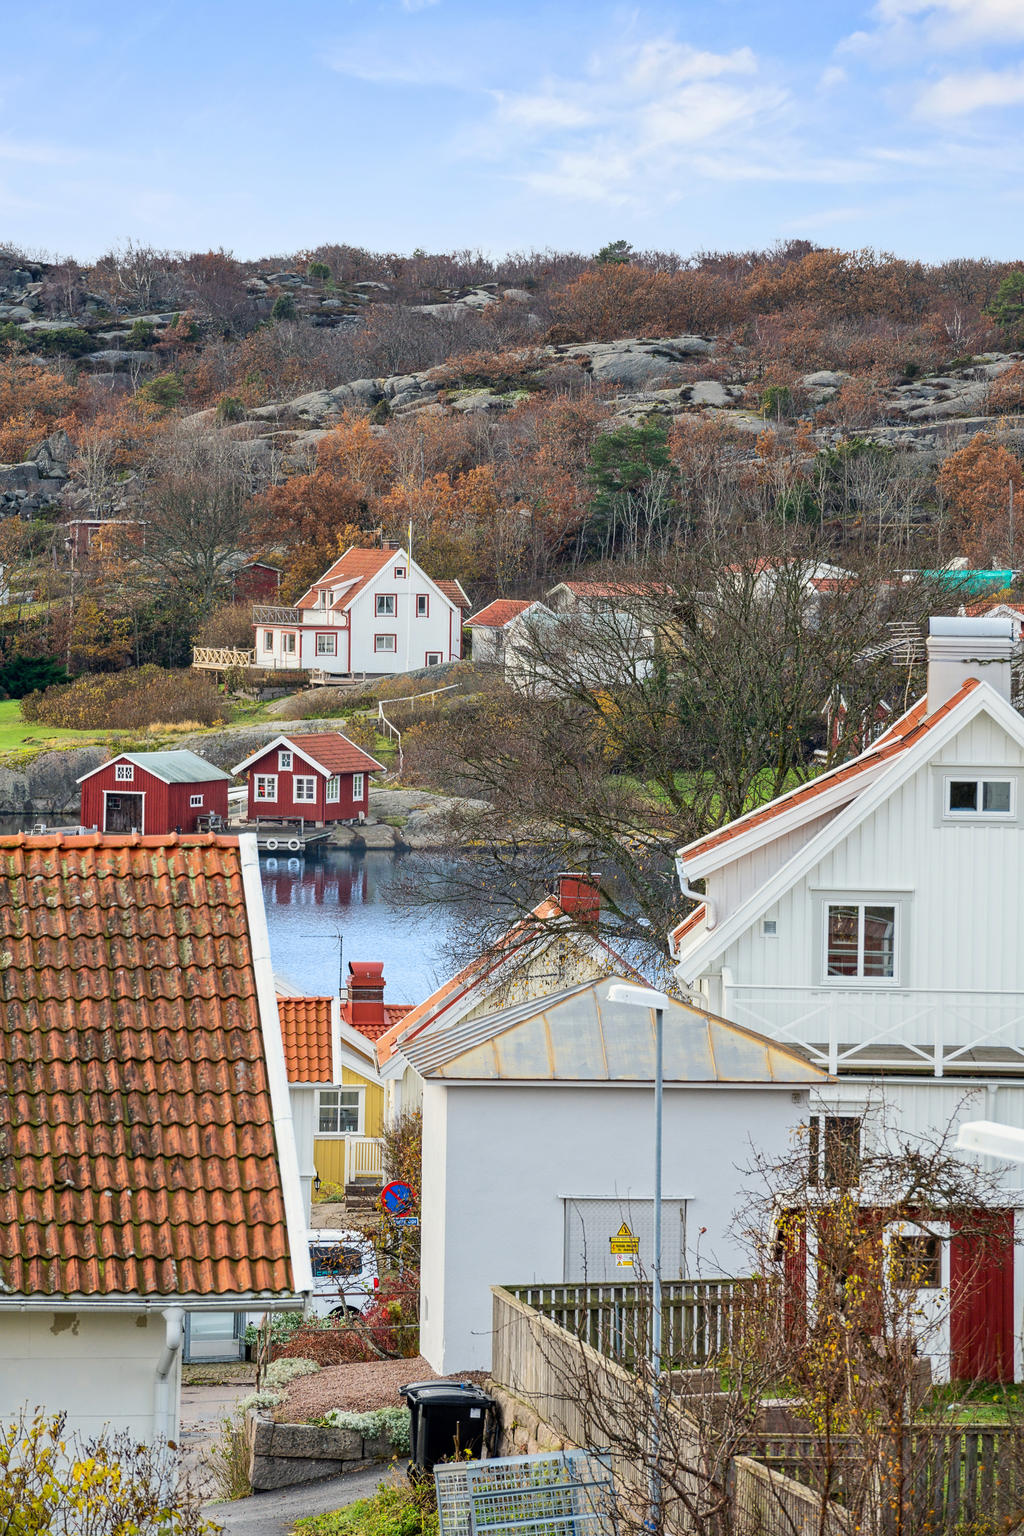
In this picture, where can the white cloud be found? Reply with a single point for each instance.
(831, 78)
(417, 5)
(940, 25)
(958, 95)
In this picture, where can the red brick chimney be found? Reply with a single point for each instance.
(579, 896)
(366, 994)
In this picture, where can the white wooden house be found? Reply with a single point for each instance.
(871, 917)
(537, 1149)
(372, 613)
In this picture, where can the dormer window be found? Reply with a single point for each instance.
(974, 798)
(399, 572)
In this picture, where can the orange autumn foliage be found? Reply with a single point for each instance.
(33, 402)
(977, 481)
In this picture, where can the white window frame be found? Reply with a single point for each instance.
(391, 649)
(195, 802)
(268, 640)
(124, 773)
(333, 794)
(288, 642)
(400, 572)
(980, 780)
(284, 760)
(301, 782)
(327, 645)
(438, 662)
(342, 1088)
(261, 781)
(899, 902)
(358, 786)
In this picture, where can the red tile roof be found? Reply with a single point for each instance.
(903, 734)
(498, 613)
(137, 1144)
(335, 753)
(454, 593)
(306, 1035)
(358, 565)
(394, 1013)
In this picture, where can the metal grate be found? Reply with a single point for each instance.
(569, 1493)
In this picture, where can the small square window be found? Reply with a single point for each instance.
(195, 801)
(124, 773)
(399, 572)
(995, 797)
(304, 790)
(337, 1111)
(916, 1262)
(963, 795)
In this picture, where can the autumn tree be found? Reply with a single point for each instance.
(33, 401)
(982, 483)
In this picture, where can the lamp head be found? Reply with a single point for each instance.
(637, 997)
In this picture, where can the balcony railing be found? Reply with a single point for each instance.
(928, 1031)
(262, 614)
(212, 658)
(364, 1159)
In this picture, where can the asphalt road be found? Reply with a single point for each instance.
(273, 1514)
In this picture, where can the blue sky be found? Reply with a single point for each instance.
(514, 124)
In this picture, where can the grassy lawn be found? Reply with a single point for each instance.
(18, 735)
(962, 1403)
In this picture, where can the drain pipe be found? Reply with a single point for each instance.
(165, 1406)
(710, 909)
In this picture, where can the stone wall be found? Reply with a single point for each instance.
(285, 1454)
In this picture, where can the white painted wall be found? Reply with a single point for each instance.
(303, 1101)
(498, 1160)
(960, 885)
(98, 1367)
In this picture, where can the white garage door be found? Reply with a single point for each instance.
(598, 1251)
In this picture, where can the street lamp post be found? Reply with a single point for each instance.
(647, 997)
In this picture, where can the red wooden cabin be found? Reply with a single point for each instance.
(156, 793)
(318, 778)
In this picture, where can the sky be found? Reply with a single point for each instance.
(500, 125)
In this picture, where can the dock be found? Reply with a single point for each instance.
(285, 838)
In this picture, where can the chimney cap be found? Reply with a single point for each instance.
(971, 629)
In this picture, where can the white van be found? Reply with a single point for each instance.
(345, 1275)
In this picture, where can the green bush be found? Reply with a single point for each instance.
(777, 401)
(29, 674)
(69, 341)
(284, 308)
(141, 335)
(230, 408)
(165, 390)
(318, 271)
(126, 701)
(396, 1509)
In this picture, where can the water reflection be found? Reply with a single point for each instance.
(322, 913)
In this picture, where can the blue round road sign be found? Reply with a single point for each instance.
(396, 1198)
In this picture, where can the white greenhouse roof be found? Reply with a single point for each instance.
(578, 1035)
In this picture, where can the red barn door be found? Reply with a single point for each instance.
(981, 1300)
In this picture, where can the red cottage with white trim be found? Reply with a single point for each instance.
(155, 793)
(318, 778)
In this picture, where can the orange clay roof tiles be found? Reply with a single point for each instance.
(454, 593)
(373, 1029)
(355, 565)
(306, 1034)
(498, 613)
(137, 1146)
(903, 734)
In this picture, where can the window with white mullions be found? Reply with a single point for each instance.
(979, 797)
(338, 1111)
(861, 941)
(303, 789)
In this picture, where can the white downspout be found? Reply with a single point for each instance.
(710, 909)
(165, 1404)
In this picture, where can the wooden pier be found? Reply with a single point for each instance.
(285, 839)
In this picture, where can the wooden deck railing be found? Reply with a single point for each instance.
(698, 1317)
(216, 658)
(364, 1159)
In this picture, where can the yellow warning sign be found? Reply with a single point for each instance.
(624, 1241)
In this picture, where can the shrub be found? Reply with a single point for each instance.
(108, 1485)
(69, 341)
(27, 674)
(318, 271)
(396, 1509)
(229, 626)
(126, 701)
(378, 1423)
(141, 335)
(280, 1372)
(230, 408)
(267, 1397)
(1006, 396)
(165, 390)
(284, 308)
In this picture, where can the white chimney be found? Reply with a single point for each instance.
(962, 648)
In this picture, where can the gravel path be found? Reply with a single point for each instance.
(369, 1384)
(356, 1388)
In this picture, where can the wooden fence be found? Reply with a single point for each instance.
(937, 1479)
(216, 658)
(698, 1317)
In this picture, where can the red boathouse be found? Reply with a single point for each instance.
(318, 778)
(155, 793)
